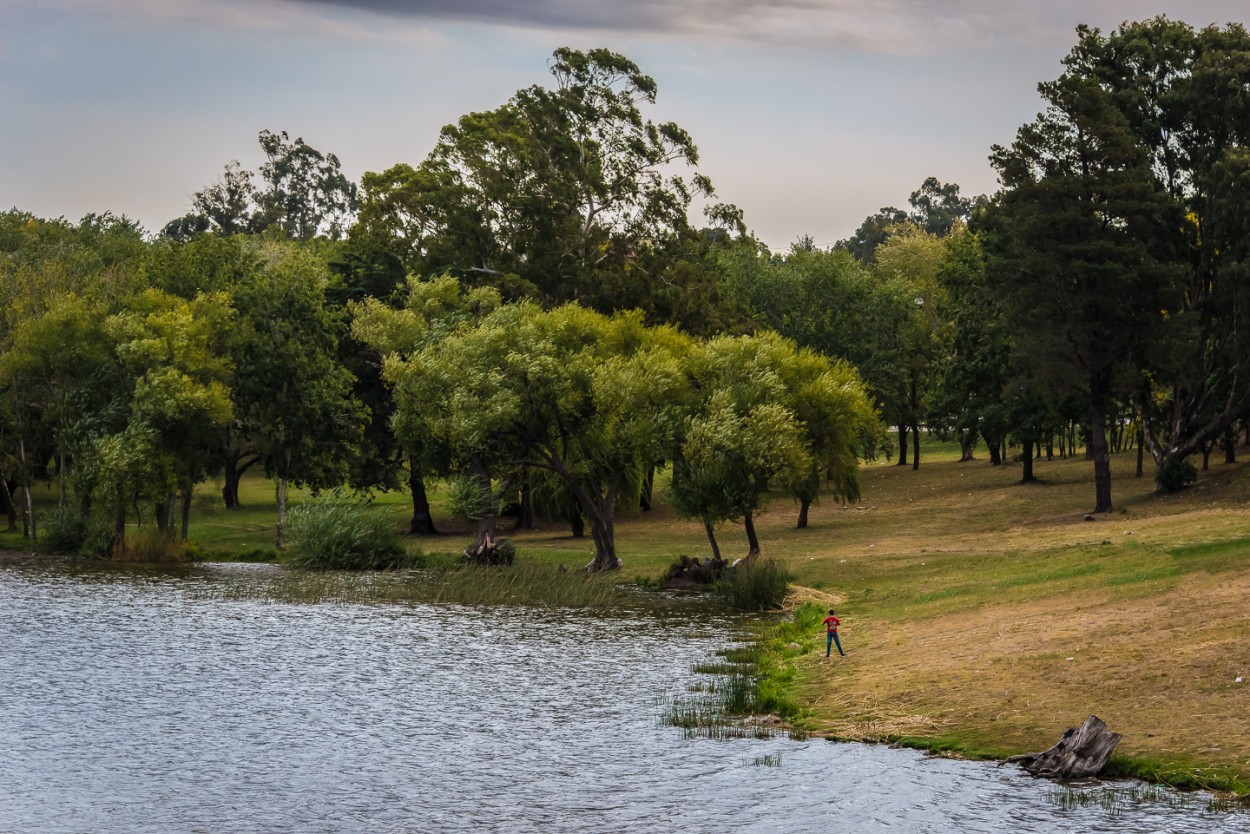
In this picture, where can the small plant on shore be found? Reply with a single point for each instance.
(62, 530)
(339, 533)
(147, 544)
(754, 585)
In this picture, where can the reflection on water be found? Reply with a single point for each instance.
(151, 701)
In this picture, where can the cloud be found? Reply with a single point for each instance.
(889, 26)
(334, 22)
(880, 26)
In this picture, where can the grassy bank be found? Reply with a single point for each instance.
(985, 617)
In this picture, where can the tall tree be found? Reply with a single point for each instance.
(1182, 95)
(1082, 286)
(303, 193)
(293, 400)
(564, 193)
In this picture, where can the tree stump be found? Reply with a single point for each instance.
(1081, 752)
(488, 551)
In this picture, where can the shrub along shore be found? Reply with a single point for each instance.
(982, 617)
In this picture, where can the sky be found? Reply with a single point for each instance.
(808, 114)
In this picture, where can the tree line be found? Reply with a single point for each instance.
(530, 314)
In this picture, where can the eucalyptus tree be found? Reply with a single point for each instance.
(303, 193)
(564, 193)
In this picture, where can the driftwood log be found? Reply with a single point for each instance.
(1081, 752)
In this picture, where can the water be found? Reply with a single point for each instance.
(140, 701)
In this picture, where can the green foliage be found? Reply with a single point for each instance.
(340, 533)
(1175, 474)
(63, 530)
(563, 193)
(468, 498)
(754, 585)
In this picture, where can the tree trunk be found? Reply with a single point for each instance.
(30, 528)
(753, 541)
(161, 509)
(711, 538)
(803, 507)
(119, 524)
(967, 446)
(60, 479)
(1026, 458)
(422, 523)
(1098, 450)
(902, 445)
(280, 536)
(996, 457)
(1230, 445)
(1207, 448)
(915, 447)
(10, 507)
(648, 487)
(1141, 454)
(232, 472)
(1081, 753)
(525, 513)
(185, 532)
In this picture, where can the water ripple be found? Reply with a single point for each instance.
(147, 701)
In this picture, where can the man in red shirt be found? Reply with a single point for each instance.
(831, 634)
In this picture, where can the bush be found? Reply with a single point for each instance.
(97, 541)
(340, 533)
(63, 530)
(754, 585)
(1175, 475)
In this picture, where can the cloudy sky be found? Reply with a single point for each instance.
(809, 114)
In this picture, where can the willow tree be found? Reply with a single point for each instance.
(592, 399)
(766, 415)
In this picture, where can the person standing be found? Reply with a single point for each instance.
(831, 633)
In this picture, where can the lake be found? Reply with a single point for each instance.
(142, 700)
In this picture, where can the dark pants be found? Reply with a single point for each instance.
(830, 640)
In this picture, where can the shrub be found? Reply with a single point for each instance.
(754, 585)
(63, 530)
(97, 541)
(1175, 475)
(340, 533)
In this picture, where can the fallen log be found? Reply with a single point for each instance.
(1082, 752)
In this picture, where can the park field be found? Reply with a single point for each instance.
(980, 615)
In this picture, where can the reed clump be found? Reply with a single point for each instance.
(754, 585)
(339, 533)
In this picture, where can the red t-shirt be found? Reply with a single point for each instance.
(832, 623)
